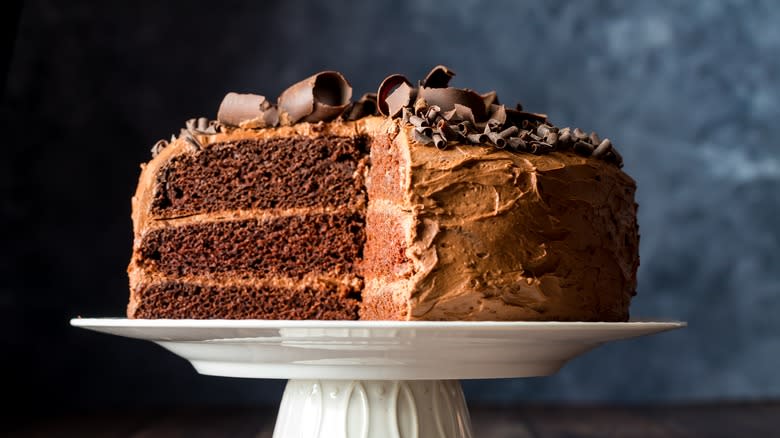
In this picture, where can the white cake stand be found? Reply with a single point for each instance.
(374, 379)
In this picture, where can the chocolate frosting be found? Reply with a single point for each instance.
(496, 235)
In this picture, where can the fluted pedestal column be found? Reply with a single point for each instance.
(373, 409)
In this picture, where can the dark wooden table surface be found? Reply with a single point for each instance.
(706, 420)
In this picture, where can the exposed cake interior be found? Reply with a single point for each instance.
(262, 227)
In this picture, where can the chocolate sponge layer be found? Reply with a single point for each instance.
(290, 246)
(178, 300)
(283, 172)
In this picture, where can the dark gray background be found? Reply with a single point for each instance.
(689, 92)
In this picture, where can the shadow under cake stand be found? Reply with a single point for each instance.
(374, 379)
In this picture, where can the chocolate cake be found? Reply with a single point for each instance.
(414, 203)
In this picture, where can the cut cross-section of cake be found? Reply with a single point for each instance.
(252, 225)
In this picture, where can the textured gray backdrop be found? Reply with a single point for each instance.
(689, 92)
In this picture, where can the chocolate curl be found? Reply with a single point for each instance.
(465, 127)
(447, 98)
(497, 115)
(420, 107)
(508, 132)
(424, 130)
(421, 138)
(438, 77)
(405, 114)
(270, 117)
(551, 138)
(321, 97)
(236, 108)
(496, 140)
(386, 88)
(439, 141)
(464, 113)
(158, 147)
(365, 106)
(398, 99)
(579, 134)
(490, 98)
(582, 148)
(594, 139)
(603, 147)
(418, 121)
(478, 138)
(448, 132)
(517, 143)
(543, 130)
(432, 113)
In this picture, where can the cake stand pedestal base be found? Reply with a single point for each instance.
(373, 409)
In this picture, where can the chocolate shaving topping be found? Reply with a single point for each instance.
(439, 141)
(388, 85)
(603, 147)
(489, 98)
(438, 77)
(447, 98)
(158, 147)
(364, 107)
(320, 97)
(237, 108)
(440, 115)
(398, 99)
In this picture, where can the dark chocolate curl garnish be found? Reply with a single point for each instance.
(465, 127)
(582, 148)
(447, 98)
(236, 108)
(420, 107)
(579, 134)
(497, 114)
(603, 147)
(158, 147)
(400, 98)
(424, 130)
(271, 116)
(478, 138)
(439, 141)
(418, 121)
(432, 113)
(496, 140)
(438, 77)
(318, 98)
(421, 138)
(464, 114)
(386, 87)
(517, 143)
(449, 133)
(508, 132)
(594, 139)
(489, 98)
(364, 107)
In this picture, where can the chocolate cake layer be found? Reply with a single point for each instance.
(287, 245)
(178, 300)
(277, 172)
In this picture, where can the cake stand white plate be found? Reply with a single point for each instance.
(374, 379)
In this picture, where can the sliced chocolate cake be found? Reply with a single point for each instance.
(416, 203)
